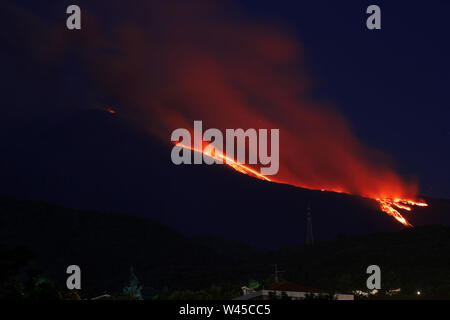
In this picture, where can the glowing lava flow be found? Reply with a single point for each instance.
(111, 110)
(387, 205)
(227, 160)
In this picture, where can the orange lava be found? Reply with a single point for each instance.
(227, 160)
(111, 110)
(388, 205)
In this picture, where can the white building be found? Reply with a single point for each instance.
(290, 291)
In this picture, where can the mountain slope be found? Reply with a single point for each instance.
(92, 160)
(104, 245)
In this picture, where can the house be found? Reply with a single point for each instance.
(287, 290)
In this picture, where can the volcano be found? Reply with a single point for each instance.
(98, 161)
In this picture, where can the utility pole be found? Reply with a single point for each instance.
(277, 272)
(309, 229)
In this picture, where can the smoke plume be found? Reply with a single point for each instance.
(166, 65)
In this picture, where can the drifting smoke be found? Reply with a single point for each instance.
(178, 63)
(171, 64)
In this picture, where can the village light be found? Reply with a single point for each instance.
(418, 293)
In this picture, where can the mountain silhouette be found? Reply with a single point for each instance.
(94, 160)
